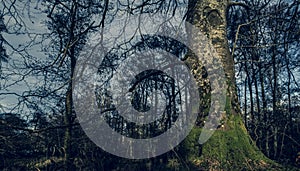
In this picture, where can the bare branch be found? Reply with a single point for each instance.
(231, 4)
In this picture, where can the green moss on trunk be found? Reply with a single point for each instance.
(229, 148)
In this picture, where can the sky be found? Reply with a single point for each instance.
(32, 28)
(31, 33)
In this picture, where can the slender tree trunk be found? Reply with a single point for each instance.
(274, 99)
(251, 99)
(257, 120)
(265, 143)
(68, 131)
(68, 117)
(245, 103)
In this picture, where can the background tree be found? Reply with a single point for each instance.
(263, 59)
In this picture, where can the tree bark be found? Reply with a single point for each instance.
(232, 147)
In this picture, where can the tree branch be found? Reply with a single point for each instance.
(231, 4)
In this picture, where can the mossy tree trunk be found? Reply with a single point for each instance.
(230, 147)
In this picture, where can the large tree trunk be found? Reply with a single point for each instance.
(230, 147)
